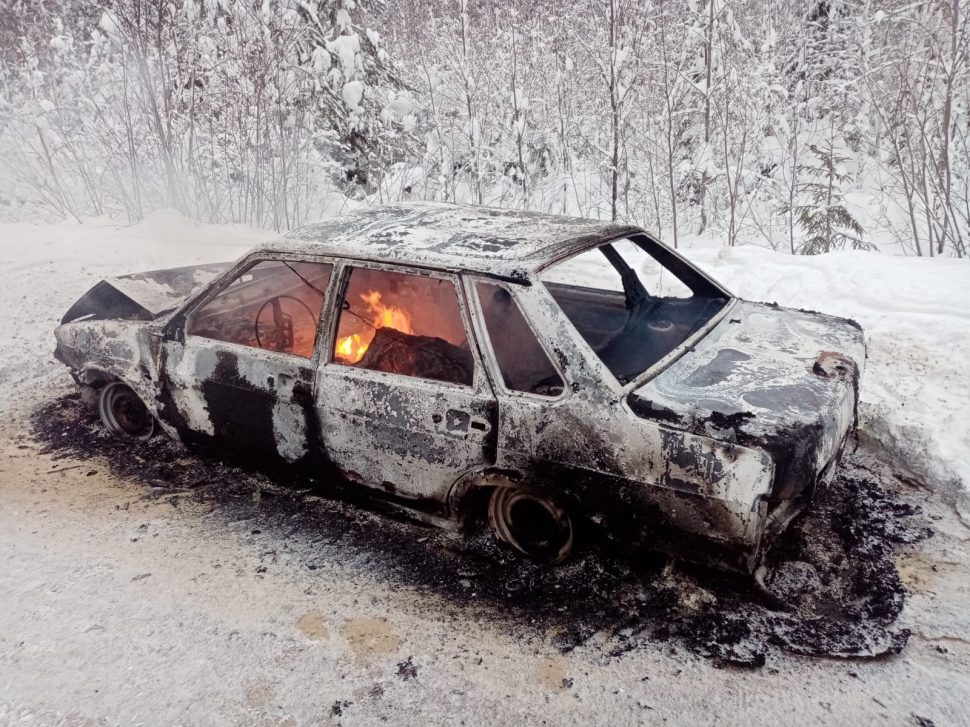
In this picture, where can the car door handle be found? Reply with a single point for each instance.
(457, 421)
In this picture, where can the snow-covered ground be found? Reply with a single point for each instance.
(916, 313)
(46, 267)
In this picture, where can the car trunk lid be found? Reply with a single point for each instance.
(142, 296)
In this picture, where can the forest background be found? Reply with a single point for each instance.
(799, 126)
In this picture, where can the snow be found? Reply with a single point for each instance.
(121, 608)
(321, 60)
(352, 94)
(45, 268)
(401, 108)
(109, 24)
(915, 312)
(346, 48)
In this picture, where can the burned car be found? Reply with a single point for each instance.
(557, 378)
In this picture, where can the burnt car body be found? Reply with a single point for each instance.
(460, 360)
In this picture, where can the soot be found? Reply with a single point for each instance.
(833, 569)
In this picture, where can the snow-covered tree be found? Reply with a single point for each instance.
(749, 121)
(824, 217)
(244, 111)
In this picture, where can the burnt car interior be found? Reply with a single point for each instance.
(632, 301)
(403, 323)
(274, 305)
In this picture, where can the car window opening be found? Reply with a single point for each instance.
(633, 302)
(403, 323)
(522, 361)
(274, 305)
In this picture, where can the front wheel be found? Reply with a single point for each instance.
(123, 413)
(533, 524)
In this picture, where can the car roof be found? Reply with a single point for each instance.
(483, 240)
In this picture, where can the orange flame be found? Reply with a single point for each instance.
(350, 349)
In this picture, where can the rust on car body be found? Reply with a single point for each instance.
(697, 425)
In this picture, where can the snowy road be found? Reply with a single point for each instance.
(121, 607)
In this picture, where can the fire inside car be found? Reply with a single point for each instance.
(403, 323)
(472, 368)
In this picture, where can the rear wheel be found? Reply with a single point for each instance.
(533, 524)
(123, 413)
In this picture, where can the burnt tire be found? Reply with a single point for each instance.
(535, 525)
(124, 413)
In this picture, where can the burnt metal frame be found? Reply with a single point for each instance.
(483, 383)
(183, 318)
(326, 333)
(662, 254)
(574, 359)
(178, 324)
(194, 305)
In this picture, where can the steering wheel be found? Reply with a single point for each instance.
(281, 321)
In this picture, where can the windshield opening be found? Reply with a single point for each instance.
(632, 301)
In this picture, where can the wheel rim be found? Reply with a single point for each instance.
(534, 525)
(122, 412)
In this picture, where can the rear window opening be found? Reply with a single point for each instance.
(633, 301)
(523, 363)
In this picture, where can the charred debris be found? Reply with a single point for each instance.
(833, 568)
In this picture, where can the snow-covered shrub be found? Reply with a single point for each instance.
(244, 111)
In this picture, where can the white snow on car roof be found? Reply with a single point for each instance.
(482, 239)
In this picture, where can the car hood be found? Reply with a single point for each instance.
(142, 296)
(785, 380)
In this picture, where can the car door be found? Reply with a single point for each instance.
(402, 398)
(238, 367)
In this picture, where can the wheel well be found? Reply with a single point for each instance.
(96, 378)
(91, 382)
(472, 507)
(468, 499)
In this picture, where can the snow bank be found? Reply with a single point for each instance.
(916, 313)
